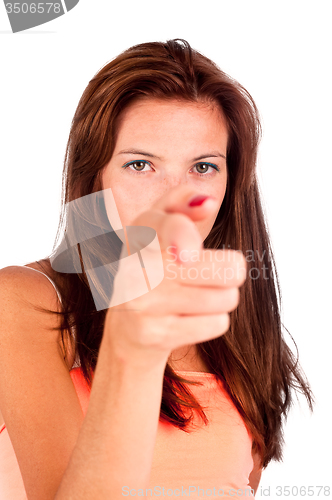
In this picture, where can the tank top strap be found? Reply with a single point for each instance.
(49, 279)
(77, 363)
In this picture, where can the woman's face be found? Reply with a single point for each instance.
(161, 144)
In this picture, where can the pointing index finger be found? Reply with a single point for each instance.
(190, 202)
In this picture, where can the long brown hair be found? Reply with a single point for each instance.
(252, 359)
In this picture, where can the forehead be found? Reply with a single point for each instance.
(164, 119)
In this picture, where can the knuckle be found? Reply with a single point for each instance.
(225, 322)
(234, 298)
(166, 224)
(156, 332)
(175, 219)
(140, 304)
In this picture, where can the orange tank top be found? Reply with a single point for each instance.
(211, 460)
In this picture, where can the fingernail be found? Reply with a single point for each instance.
(198, 200)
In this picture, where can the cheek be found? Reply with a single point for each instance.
(217, 187)
(206, 225)
(116, 199)
(130, 203)
(124, 205)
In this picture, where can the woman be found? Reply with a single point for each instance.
(173, 140)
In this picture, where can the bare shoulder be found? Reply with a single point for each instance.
(39, 403)
(24, 293)
(22, 283)
(26, 296)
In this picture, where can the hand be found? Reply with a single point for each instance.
(192, 302)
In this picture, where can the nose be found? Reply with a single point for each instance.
(173, 179)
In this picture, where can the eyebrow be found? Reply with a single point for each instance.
(210, 154)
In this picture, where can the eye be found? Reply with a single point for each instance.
(138, 166)
(203, 168)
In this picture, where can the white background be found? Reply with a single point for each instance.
(281, 52)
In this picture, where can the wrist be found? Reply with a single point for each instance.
(129, 357)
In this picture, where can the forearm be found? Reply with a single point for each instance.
(116, 442)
